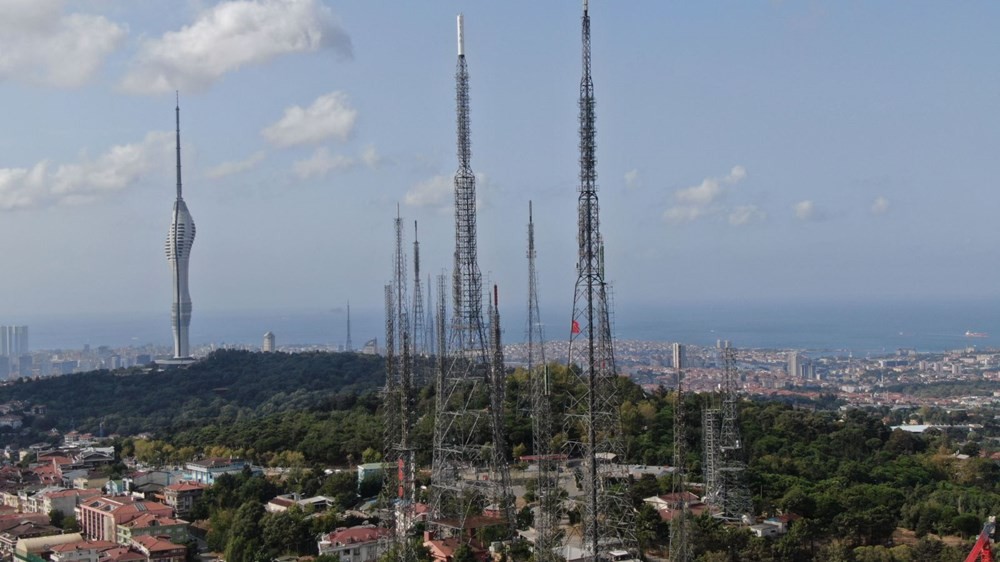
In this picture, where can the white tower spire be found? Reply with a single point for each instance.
(180, 238)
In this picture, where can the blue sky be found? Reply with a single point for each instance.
(771, 150)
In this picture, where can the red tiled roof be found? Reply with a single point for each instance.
(83, 545)
(156, 544)
(122, 554)
(150, 520)
(69, 493)
(186, 487)
(357, 535)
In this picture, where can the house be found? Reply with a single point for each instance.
(122, 554)
(24, 530)
(283, 502)
(206, 471)
(34, 549)
(65, 501)
(90, 480)
(765, 530)
(372, 470)
(443, 550)
(150, 524)
(82, 551)
(353, 544)
(99, 518)
(672, 501)
(159, 549)
(182, 496)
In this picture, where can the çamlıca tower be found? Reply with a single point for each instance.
(180, 238)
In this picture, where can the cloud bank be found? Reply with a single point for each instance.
(231, 35)
(322, 162)
(40, 44)
(122, 166)
(329, 116)
(235, 167)
(706, 199)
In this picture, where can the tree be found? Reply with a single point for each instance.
(464, 554)
(245, 537)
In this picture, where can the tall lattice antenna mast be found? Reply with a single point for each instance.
(419, 333)
(680, 542)
(430, 321)
(469, 455)
(594, 427)
(731, 498)
(398, 409)
(547, 490)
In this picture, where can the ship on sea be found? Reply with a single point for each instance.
(971, 334)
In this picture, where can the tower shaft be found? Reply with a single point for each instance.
(546, 490)
(420, 345)
(399, 493)
(180, 239)
(594, 424)
(469, 472)
(680, 543)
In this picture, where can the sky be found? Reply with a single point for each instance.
(747, 150)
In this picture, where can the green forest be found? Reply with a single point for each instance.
(863, 491)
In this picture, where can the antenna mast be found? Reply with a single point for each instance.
(547, 521)
(467, 439)
(605, 507)
(398, 408)
(419, 333)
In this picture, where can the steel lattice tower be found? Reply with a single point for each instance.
(469, 469)
(400, 489)
(594, 429)
(680, 544)
(547, 515)
(430, 324)
(732, 497)
(420, 345)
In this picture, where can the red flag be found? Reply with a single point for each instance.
(576, 327)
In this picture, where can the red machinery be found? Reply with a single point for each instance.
(981, 551)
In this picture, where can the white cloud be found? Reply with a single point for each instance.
(328, 116)
(119, 168)
(880, 206)
(231, 35)
(236, 166)
(806, 210)
(632, 178)
(682, 214)
(705, 198)
(746, 214)
(439, 192)
(321, 163)
(370, 157)
(40, 44)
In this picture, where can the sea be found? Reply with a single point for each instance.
(858, 327)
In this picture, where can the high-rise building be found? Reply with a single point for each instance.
(179, 242)
(268, 342)
(794, 364)
(680, 356)
(13, 341)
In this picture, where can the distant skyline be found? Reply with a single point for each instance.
(747, 151)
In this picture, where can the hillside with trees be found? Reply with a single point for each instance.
(860, 491)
